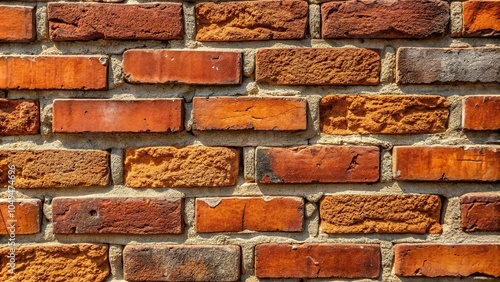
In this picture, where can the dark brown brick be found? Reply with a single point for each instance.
(17, 24)
(480, 212)
(481, 18)
(481, 113)
(19, 117)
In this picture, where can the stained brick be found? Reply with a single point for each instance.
(17, 24)
(19, 117)
(481, 113)
(480, 212)
(481, 18)
(25, 216)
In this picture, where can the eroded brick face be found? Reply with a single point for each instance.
(19, 117)
(481, 18)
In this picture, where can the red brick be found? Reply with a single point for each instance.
(19, 117)
(117, 215)
(17, 24)
(144, 115)
(53, 72)
(25, 216)
(481, 18)
(481, 113)
(385, 19)
(318, 164)
(480, 212)
(262, 113)
(254, 214)
(317, 261)
(440, 163)
(436, 260)
(189, 67)
(90, 21)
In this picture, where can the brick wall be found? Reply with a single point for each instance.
(246, 141)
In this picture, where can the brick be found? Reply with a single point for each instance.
(254, 214)
(55, 168)
(77, 262)
(436, 260)
(318, 164)
(53, 72)
(191, 166)
(481, 18)
(317, 260)
(19, 117)
(181, 263)
(481, 113)
(480, 212)
(17, 24)
(144, 115)
(440, 163)
(448, 65)
(383, 114)
(249, 20)
(263, 113)
(90, 21)
(380, 214)
(117, 215)
(385, 19)
(189, 67)
(26, 213)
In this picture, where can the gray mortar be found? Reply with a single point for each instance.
(315, 21)
(456, 21)
(249, 164)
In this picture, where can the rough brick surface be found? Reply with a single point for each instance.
(448, 65)
(438, 163)
(481, 18)
(55, 168)
(189, 67)
(318, 164)
(181, 263)
(17, 24)
(191, 166)
(18, 117)
(480, 212)
(91, 21)
(317, 261)
(228, 113)
(383, 114)
(26, 216)
(72, 263)
(251, 20)
(481, 113)
(435, 260)
(384, 19)
(53, 72)
(254, 214)
(318, 66)
(145, 115)
(117, 215)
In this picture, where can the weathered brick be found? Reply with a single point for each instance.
(448, 65)
(318, 164)
(380, 214)
(383, 114)
(117, 215)
(90, 21)
(17, 24)
(481, 113)
(254, 214)
(191, 166)
(251, 20)
(318, 66)
(385, 19)
(436, 260)
(440, 163)
(181, 263)
(144, 115)
(262, 113)
(480, 212)
(55, 168)
(26, 213)
(72, 263)
(53, 72)
(19, 117)
(189, 67)
(481, 18)
(317, 260)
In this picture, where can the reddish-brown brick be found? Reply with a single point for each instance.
(436, 260)
(181, 263)
(144, 115)
(254, 214)
(53, 72)
(440, 163)
(318, 164)
(318, 66)
(263, 113)
(17, 24)
(23, 213)
(89, 21)
(189, 67)
(317, 261)
(384, 19)
(481, 113)
(117, 215)
(19, 117)
(480, 211)
(481, 18)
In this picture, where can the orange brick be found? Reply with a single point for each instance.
(481, 113)
(25, 216)
(481, 18)
(17, 24)
(19, 117)
(480, 212)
